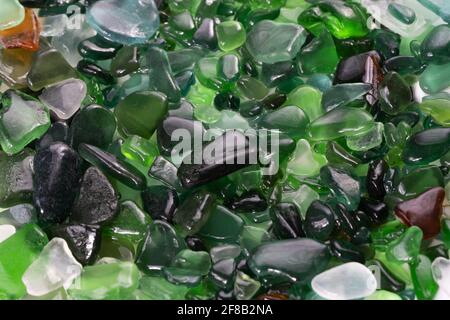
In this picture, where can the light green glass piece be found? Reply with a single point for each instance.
(231, 120)
(245, 287)
(203, 100)
(16, 255)
(199, 95)
(139, 151)
(406, 248)
(383, 295)
(207, 114)
(271, 42)
(339, 122)
(252, 88)
(435, 78)
(106, 281)
(252, 237)
(439, 109)
(206, 72)
(267, 4)
(196, 261)
(396, 136)
(367, 140)
(178, 6)
(22, 120)
(401, 271)
(304, 161)
(230, 35)
(424, 285)
(12, 14)
(158, 288)
(308, 98)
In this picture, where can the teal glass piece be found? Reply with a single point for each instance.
(440, 7)
(124, 21)
(160, 74)
(435, 78)
(402, 13)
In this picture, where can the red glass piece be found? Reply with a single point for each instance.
(425, 211)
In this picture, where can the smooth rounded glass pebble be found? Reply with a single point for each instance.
(6, 231)
(55, 268)
(441, 273)
(124, 21)
(345, 282)
(224, 150)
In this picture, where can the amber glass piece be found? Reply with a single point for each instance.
(25, 35)
(425, 211)
(273, 296)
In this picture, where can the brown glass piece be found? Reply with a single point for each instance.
(425, 211)
(25, 35)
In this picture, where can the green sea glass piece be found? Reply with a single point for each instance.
(435, 78)
(158, 288)
(406, 249)
(342, 19)
(320, 55)
(140, 113)
(402, 13)
(308, 99)
(439, 109)
(230, 35)
(48, 67)
(106, 281)
(22, 120)
(288, 261)
(25, 246)
(272, 42)
(339, 122)
(159, 248)
(425, 286)
(16, 185)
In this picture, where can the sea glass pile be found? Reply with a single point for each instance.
(97, 205)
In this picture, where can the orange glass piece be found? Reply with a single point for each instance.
(25, 35)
